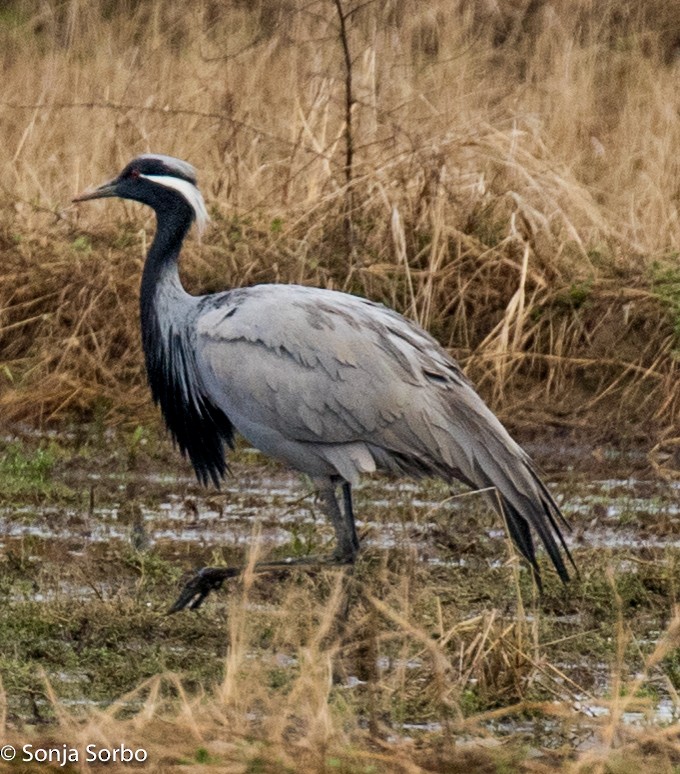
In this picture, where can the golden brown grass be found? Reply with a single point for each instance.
(513, 184)
(317, 721)
(415, 662)
(514, 187)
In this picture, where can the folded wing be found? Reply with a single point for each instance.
(365, 388)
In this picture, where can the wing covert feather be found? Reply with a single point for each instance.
(317, 366)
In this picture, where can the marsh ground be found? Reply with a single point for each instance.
(435, 652)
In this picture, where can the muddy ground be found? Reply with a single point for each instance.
(98, 534)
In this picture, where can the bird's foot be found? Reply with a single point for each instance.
(211, 578)
(197, 588)
(346, 554)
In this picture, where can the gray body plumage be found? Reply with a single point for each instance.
(336, 385)
(332, 384)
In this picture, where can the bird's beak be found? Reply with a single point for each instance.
(103, 191)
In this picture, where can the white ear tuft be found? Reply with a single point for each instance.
(189, 191)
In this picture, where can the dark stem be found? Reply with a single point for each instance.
(349, 131)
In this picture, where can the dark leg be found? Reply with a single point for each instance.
(197, 588)
(349, 513)
(345, 531)
(211, 578)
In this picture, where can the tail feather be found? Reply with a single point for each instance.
(453, 434)
(524, 502)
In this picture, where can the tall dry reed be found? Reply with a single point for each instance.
(513, 183)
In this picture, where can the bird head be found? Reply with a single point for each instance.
(155, 180)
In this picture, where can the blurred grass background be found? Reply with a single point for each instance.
(512, 184)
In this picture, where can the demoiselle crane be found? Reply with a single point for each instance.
(332, 384)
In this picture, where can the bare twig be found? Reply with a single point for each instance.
(349, 133)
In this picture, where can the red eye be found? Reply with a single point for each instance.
(133, 173)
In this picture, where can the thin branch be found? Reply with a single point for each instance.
(349, 98)
(122, 107)
(349, 132)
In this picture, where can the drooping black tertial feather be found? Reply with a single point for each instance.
(198, 426)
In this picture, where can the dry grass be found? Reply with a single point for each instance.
(317, 721)
(435, 655)
(513, 185)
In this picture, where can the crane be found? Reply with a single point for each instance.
(332, 384)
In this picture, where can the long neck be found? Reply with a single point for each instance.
(199, 427)
(160, 279)
(164, 304)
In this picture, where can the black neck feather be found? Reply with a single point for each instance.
(197, 425)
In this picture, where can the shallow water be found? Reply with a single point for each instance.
(626, 517)
(277, 505)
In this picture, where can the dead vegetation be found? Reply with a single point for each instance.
(512, 184)
(403, 666)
